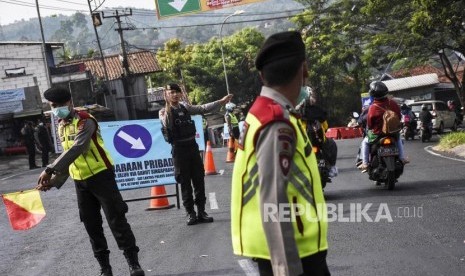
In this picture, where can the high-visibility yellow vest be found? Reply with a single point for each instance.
(304, 188)
(234, 121)
(92, 161)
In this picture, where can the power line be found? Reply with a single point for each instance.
(27, 4)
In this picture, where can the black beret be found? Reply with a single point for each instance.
(280, 46)
(173, 86)
(57, 95)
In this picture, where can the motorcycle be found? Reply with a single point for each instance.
(409, 127)
(385, 165)
(425, 132)
(316, 134)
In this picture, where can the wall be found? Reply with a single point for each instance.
(28, 56)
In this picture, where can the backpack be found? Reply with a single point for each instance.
(391, 122)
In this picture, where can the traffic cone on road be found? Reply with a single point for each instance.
(231, 156)
(209, 164)
(159, 203)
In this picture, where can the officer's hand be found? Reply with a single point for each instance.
(43, 184)
(226, 99)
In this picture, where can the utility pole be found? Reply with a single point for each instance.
(44, 54)
(102, 58)
(126, 71)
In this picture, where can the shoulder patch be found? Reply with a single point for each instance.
(267, 110)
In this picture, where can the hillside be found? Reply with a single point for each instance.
(147, 31)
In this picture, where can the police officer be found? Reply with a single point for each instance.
(179, 130)
(231, 121)
(91, 168)
(275, 168)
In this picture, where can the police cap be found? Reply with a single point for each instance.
(280, 46)
(58, 95)
(173, 86)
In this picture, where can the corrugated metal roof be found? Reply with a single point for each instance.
(411, 82)
(139, 63)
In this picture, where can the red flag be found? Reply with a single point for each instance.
(25, 209)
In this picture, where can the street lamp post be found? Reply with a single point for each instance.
(221, 46)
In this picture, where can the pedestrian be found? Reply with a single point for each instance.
(43, 141)
(29, 141)
(276, 169)
(205, 130)
(179, 130)
(91, 168)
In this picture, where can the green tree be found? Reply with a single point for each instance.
(337, 68)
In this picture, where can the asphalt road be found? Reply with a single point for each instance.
(420, 230)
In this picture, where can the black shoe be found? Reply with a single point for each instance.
(203, 217)
(133, 262)
(34, 167)
(106, 271)
(192, 218)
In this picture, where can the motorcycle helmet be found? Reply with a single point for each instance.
(424, 107)
(378, 90)
(230, 106)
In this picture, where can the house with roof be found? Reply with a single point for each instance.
(423, 83)
(125, 99)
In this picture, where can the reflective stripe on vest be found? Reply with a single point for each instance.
(92, 161)
(303, 191)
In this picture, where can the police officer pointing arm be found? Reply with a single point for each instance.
(179, 130)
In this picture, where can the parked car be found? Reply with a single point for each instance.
(443, 117)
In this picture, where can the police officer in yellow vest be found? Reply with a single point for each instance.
(91, 168)
(232, 122)
(278, 212)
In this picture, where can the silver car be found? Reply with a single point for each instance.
(443, 117)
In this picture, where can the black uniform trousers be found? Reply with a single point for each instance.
(101, 192)
(189, 171)
(313, 265)
(45, 154)
(31, 151)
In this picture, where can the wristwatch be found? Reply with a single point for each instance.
(49, 171)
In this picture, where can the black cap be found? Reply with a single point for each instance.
(280, 46)
(173, 86)
(57, 95)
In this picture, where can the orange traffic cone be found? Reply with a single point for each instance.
(231, 150)
(209, 165)
(159, 203)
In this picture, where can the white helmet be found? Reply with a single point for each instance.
(230, 106)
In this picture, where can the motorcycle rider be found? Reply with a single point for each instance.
(379, 92)
(408, 117)
(425, 117)
(311, 112)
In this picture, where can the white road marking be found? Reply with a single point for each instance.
(248, 267)
(213, 202)
(221, 172)
(429, 150)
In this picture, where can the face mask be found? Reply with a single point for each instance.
(302, 95)
(61, 112)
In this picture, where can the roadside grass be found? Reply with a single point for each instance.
(452, 140)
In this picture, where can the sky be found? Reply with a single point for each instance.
(11, 10)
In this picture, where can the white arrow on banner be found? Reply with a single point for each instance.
(136, 143)
(178, 4)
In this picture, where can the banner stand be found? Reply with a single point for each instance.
(161, 196)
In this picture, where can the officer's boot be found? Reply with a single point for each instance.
(202, 215)
(191, 217)
(105, 267)
(133, 262)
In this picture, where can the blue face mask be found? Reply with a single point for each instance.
(302, 95)
(61, 112)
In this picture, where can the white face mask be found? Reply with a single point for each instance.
(61, 112)
(303, 94)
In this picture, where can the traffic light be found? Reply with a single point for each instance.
(96, 19)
